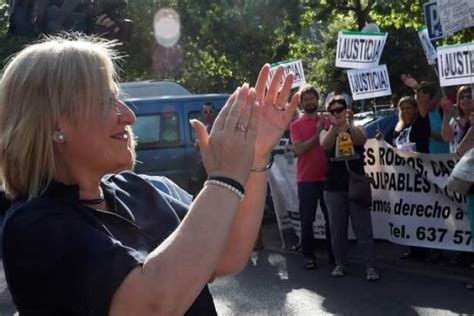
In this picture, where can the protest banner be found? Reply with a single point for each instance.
(411, 204)
(455, 15)
(359, 50)
(369, 83)
(295, 66)
(430, 51)
(456, 64)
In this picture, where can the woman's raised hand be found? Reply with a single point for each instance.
(229, 149)
(273, 111)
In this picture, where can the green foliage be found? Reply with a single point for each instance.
(225, 42)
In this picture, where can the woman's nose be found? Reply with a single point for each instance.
(126, 114)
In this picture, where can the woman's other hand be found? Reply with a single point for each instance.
(230, 148)
(409, 81)
(379, 135)
(274, 112)
(447, 106)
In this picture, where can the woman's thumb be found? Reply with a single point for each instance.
(201, 133)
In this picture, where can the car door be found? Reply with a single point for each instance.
(160, 139)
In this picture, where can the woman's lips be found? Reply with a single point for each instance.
(121, 136)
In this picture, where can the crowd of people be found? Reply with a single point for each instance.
(109, 241)
(325, 141)
(87, 236)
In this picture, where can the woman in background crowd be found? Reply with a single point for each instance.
(344, 141)
(456, 120)
(412, 132)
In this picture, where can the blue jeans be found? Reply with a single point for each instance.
(309, 193)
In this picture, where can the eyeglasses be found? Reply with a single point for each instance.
(207, 112)
(337, 110)
(113, 102)
(465, 97)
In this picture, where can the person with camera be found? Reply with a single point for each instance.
(81, 239)
(344, 144)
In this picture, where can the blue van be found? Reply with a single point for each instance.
(165, 139)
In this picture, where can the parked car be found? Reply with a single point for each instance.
(165, 138)
(383, 119)
(152, 88)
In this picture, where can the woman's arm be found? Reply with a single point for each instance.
(328, 140)
(468, 139)
(174, 274)
(359, 135)
(272, 123)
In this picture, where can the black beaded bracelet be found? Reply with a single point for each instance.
(235, 184)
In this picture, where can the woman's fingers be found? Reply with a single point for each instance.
(272, 93)
(253, 115)
(222, 116)
(201, 135)
(282, 98)
(246, 116)
(290, 110)
(261, 83)
(236, 108)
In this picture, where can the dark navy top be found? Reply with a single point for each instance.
(64, 258)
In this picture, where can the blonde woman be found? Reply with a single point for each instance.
(456, 120)
(78, 243)
(412, 132)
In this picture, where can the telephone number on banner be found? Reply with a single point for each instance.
(432, 234)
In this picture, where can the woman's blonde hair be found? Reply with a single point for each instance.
(461, 90)
(51, 79)
(401, 123)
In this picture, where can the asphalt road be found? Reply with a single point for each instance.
(276, 284)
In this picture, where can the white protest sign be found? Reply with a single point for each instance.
(359, 50)
(369, 83)
(430, 51)
(455, 15)
(295, 66)
(411, 205)
(456, 64)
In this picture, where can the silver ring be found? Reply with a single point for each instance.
(241, 127)
(281, 108)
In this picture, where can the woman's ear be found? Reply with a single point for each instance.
(58, 133)
(59, 137)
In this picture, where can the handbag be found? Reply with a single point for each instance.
(360, 190)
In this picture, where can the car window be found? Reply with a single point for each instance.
(195, 115)
(160, 130)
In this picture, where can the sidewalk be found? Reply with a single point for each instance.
(387, 255)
